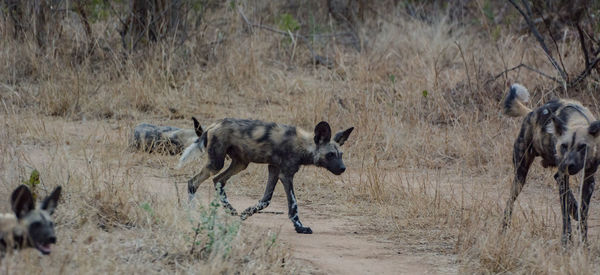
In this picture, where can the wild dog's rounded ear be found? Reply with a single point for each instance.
(22, 201)
(197, 127)
(342, 136)
(594, 129)
(322, 133)
(51, 201)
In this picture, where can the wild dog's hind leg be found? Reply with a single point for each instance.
(220, 180)
(266, 199)
(293, 205)
(522, 158)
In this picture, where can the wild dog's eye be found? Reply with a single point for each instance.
(330, 156)
(563, 148)
(581, 147)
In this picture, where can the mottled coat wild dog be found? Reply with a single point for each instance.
(28, 226)
(163, 139)
(565, 135)
(284, 148)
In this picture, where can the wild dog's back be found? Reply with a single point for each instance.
(257, 141)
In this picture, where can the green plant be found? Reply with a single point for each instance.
(213, 234)
(33, 182)
(287, 22)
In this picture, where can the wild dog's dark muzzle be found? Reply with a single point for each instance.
(339, 171)
(572, 164)
(336, 167)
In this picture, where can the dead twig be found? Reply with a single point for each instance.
(583, 47)
(585, 73)
(466, 65)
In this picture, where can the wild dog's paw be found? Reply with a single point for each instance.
(247, 213)
(303, 230)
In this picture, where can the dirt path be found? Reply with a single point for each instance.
(334, 247)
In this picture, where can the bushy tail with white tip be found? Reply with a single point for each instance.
(514, 103)
(191, 152)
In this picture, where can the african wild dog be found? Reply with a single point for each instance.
(164, 139)
(564, 134)
(28, 226)
(284, 148)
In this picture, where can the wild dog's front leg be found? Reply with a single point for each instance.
(586, 194)
(563, 189)
(293, 205)
(266, 199)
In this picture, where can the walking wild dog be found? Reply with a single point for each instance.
(28, 226)
(565, 135)
(284, 148)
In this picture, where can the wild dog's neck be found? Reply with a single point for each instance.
(307, 149)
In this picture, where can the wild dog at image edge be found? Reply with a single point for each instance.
(565, 135)
(28, 226)
(284, 148)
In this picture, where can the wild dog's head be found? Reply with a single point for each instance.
(576, 147)
(36, 222)
(328, 152)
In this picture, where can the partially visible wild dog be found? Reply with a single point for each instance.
(284, 148)
(164, 139)
(28, 226)
(565, 135)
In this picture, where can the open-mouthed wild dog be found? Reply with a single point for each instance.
(28, 226)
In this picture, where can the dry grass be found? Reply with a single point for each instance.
(429, 162)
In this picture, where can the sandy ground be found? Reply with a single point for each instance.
(335, 247)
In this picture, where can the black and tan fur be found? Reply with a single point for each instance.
(565, 135)
(164, 139)
(284, 148)
(28, 226)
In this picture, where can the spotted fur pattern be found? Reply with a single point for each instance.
(284, 148)
(28, 226)
(164, 139)
(564, 134)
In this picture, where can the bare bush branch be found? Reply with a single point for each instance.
(527, 16)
